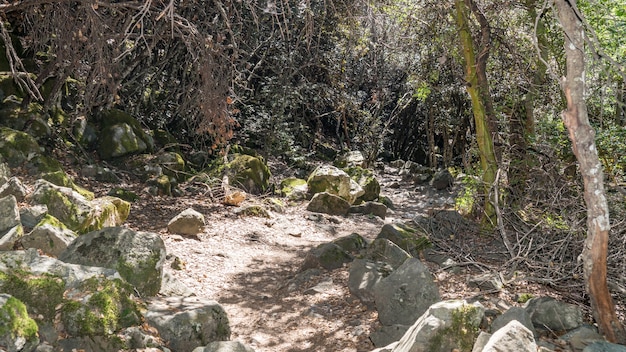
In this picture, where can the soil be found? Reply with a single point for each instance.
(251, 264)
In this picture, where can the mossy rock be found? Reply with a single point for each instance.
(327, 178)
(44, 164)
(60, 178)
(99, 307)
(162, 185)
(460, 332)
(294, 188)
(366, 179)
(165, 139)
(7, 84)
(121, 135)
(124, 194)
(405, 237)
(18, 332)
(249, 173)
(253, 210)
(40, 293)
(106, 212)
(17, 147)
(173, 165)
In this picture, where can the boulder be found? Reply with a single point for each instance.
(332, 180)
(122, 135)
(351, 243)
(9, 213)
(17, 147)
(370, 208)
(14, 187)
(386, 335)
(328, 203)
(404, 237)
(445, 326)
(514, 313)
(173, 165)
(549, 314)
(60, 178)
(249, 173)
(582, 337)
(294, 188)
(18, 332)
(9, 238)
(50, 236)
(137, 256)
(513, 337)
(382, 249)
(100, 173)
(77, 212)
(364, 275)
(353, 158)
(441, 180)
(367, 181)
(604, 346)
(405, 294)
(5, 173)
(188, 222)
(224, 346)
(328, 256)
(30, 216)
(186, 323)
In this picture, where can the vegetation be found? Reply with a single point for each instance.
(471, 85)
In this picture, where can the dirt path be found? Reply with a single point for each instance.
(249, 265)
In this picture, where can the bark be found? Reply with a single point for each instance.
(484, 139)
(582, 135)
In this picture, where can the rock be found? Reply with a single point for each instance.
(173, 165)
(253, 210)
(513, 337)
(579, 338)
(60, 178)
(549, 314)
(171, 286)
(138, 339)
(294, 188)
(187, 322)
(514, 313)
(442, 179)
(224, 346)
(50, 236)
(328, 204)
(188, 222)
(160, 186)
(373, 208)
(364, 275)
(386, 335)
(17, 147)
(234, 198)
(9, 213)
(32, 215)
(332, 180)
(603, 346)
(9, 238)
(368, 182)
(405, 294)
(137, 256)
(445, 326)
(13, 186)
(382, 249)
(18, 332)
(5, 173)
(101, 174)
(123, 194)
(398, 164)
(486, 281)
(122, 135)
(405, 237)
(328, 256)
(351, 243)
(77, 212)
(350, 159)
(249, 173)
(481, 341)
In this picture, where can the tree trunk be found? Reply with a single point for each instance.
(484, 139)
(582, 135)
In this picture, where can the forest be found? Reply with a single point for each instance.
(522, 101)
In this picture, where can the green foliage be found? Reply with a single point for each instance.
(611, 144)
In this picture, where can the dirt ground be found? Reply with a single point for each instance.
(250, 265)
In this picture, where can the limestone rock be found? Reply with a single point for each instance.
(10, 237)
(14, 187)
(332, 180)
(444, 327)
(405, 294)
(364, 275)
(186, 323)
(328, 204)
(367, 181)
(137, 256)
(353, 158)
(9, 213)
(513, 337)
(549, 314)
(249, 173)
(60, 178)
(50, 236)
(188, 222)
(30, 216)
(328, 256)
(224, 346)
(382, 249)
(18, 332)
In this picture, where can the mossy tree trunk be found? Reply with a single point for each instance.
(582, 135)
(478, 89)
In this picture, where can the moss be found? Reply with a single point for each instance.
(254, 210)
(46, 164)
(365, 178)
(524, 297)
(144, 274)
(41, 294)
(17, 147)
(164, 185)
(107, 211)
(52, 221)
(60, 178)
(124, 194)
(460, 334)
(289, 185)
(16, 322)
(65, 210)
(250, 173)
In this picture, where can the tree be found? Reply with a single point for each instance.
(478, 89)
(582, 135)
